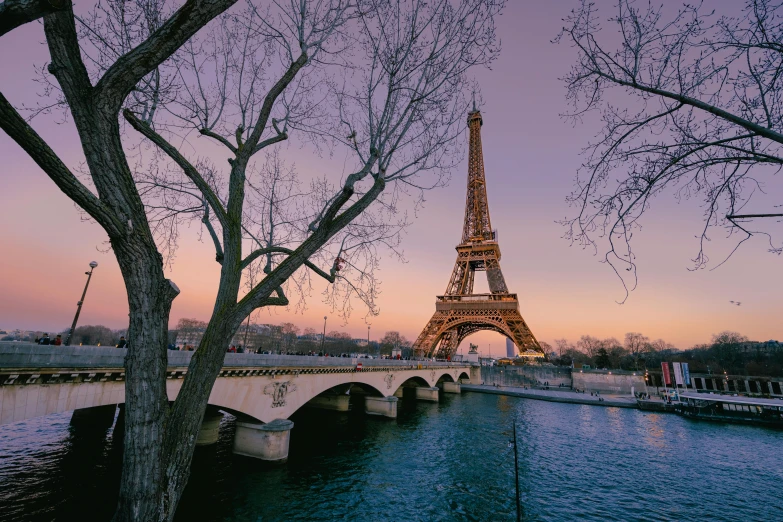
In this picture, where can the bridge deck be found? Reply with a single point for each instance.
(39, 380)
(14, 355)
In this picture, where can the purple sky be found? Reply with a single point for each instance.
(531, 156)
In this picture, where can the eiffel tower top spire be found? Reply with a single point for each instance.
(477, 225)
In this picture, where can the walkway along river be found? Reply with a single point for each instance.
(436, 461)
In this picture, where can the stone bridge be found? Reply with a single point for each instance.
(262, 391)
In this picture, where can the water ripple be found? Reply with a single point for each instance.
(447, 461)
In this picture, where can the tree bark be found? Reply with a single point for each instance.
(142, 494)
(14, 13)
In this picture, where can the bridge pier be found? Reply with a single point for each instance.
(208, 434)
(475, 375)
(98, 416)
(399, 392)
(427, 394)
(381, 406)
(268, 442)
(330, 402)
(451, 387)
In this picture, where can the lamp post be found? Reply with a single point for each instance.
(368, 338)
(323, 336)
(93, 264)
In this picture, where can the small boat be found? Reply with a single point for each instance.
(655, 405)
(731, 408)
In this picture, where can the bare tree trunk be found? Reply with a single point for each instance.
(142, 494)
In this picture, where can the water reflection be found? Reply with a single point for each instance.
(446, 461)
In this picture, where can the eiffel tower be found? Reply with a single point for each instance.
(460, 312)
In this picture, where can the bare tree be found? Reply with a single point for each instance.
(727, 348)
(399, 113)
(94, 103)
(636, 344)
(564, 346)
(547, 349)
(289, 333)
(190, 332)
(589, 345)
(97, 335)
(398, 110)
(659, 345)
(611, 343)
(191, 325)
(310, 333)
(393, 339)
(338, 343)
(691, 104)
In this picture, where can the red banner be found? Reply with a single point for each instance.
(667, 380)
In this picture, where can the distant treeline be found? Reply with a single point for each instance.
(88, 335)
(728, 351)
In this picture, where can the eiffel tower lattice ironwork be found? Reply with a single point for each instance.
(460, 312)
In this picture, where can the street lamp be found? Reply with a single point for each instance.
(93, 264)
(323, 336)
(368, 338)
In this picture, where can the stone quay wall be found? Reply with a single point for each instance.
(530, 376)
(613, 382)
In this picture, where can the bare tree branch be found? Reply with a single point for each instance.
(130, 68)
(14, 13)
(190, 171)
(701, 115)
(21, 132)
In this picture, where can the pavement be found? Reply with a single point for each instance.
(555, 395)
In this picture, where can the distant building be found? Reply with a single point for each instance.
(256, 336)
(189, 338)
(511, 350)
(763, 347)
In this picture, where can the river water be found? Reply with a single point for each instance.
(447, 461)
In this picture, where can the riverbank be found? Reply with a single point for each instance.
(555, 395)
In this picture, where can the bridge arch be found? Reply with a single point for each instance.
(416, 381)
(446, 377)
(278, 398)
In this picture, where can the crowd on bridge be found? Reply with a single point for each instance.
(46, 340)
(261, 351)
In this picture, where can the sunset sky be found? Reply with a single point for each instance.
(531, 156)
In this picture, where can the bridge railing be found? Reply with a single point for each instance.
(28, 355)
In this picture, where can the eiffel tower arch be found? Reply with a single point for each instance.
(459, 312)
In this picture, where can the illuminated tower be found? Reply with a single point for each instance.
(460, 312)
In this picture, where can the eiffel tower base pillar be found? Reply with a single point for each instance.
(427, 394)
